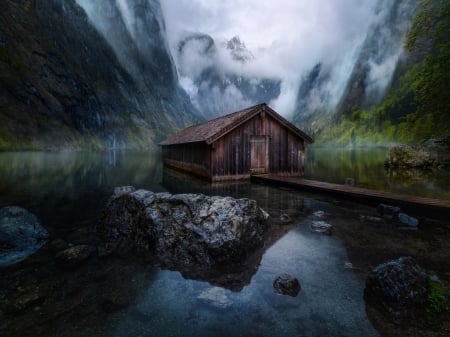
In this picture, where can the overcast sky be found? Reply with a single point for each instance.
(287, 37)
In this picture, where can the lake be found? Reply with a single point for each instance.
(122, 297)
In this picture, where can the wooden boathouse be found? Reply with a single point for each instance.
(256, 140)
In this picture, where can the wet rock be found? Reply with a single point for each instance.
(285, 219)
(286, 284)
(57, 245)
(393, 213)
(26, 299)
(399, 288)
(215, 297)
(120, 190)
(371, 219)
(322, 227)
(388, 212)
(349, 182)
(183, 230)
(74, 256)
(21, 234)
(407, 220)
(319, 214)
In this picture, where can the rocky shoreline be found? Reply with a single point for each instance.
(433, 153)
(224, 242)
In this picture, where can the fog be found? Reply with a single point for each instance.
(279, 41)
(286, 37)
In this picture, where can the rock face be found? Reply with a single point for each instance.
(21, 234)
(185, 231)
(63, 79)
(399, 288)
(286, 284)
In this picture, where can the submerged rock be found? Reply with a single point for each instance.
(399, 288)
(322, 227)
(215, 297)
(74, 256)
(394, 213)
(57, 245)
(183, 230)
(286, 284)
(285, 218)
(407, 220)
(388, 212)
(21, 234)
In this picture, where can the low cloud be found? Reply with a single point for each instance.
(286, 37)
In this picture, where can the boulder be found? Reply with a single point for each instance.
(74, 256)
(402, 155)
(183, 230)
(21, 234)
(286, 284)
(398, 288)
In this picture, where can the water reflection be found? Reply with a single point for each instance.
(366, 167)
(68, 188)
(120, 297)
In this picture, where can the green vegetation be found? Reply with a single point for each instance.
(436, 301)
(417, 105)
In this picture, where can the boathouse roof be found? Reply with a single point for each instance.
(216, 128)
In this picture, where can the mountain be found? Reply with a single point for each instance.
(72, 81)
(216, 75)
(377, 65)
(415, 105)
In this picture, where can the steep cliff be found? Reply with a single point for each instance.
(217, 77)
(62, 85)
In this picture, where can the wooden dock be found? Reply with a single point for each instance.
(435, 208)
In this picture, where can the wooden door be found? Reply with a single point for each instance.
(259, 154)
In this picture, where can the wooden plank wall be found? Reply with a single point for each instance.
(193, 157)
(230, 157)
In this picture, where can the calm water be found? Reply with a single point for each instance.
(118, 297)
(366, 167)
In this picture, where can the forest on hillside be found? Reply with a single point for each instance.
(416, 106)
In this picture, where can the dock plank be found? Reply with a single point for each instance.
(433, 207)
